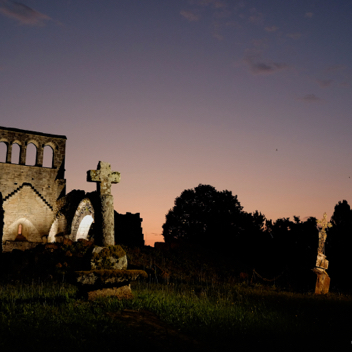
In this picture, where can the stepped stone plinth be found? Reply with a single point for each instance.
(108, 274)
(104, 283)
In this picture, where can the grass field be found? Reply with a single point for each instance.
(48, 316)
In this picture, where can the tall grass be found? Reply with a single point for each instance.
(252, 316)
(48, 316)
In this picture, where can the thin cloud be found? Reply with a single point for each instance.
(271, 28)
(309, 14)
(221, 14)
(240, 4)
(324, 82)
(218, 11)
(310, 98)
(259, 45)
(256, 17)
(218, 36)
(216, 30)
(233, 24)
(218, 4)
(335, 68)
(294, 36)
(22, 13)
(191, 16)
(258, 66)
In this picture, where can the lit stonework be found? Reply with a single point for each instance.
(323, 279)
(34, 206)
(30, 192)
(104, 177)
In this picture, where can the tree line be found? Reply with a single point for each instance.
(205, 217)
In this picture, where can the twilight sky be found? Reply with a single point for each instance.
(249, 96)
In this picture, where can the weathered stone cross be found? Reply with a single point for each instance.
(323, 224)
(104, 177)
(323, 280)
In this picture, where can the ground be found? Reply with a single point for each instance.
(158, 334)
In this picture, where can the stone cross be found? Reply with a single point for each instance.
(323, 280)
(104, 177)
(323, 224)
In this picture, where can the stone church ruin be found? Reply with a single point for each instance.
(34, 206)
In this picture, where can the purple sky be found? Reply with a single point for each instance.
(249, 96)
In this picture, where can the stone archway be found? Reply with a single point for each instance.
(84, 227)
(82, 220)
(53, 231)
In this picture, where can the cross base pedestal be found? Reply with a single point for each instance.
(323, 281)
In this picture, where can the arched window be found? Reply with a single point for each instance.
(48, 156)
(15, 156)
(3, 152)
(31, 154)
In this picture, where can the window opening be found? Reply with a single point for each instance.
(31, 154)
(15, 156)
(48, 156)
(3, 152)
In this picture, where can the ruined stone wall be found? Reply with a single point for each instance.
(30, 193)
(128, 229)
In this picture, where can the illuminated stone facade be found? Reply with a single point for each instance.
(33, 200)
(30, 193)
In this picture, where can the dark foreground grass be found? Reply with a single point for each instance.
(222, 318)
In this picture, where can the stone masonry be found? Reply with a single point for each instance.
(104, 177)
(323, 280)
(34, 207)
(30, 193)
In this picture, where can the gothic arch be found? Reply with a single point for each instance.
(85, 213)
(57, 227)
(84, 227)
(53, 230)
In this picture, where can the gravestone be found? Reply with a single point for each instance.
(104, 177)
(323, 280)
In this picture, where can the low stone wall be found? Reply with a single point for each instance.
(9, 246)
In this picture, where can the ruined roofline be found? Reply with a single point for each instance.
(32, 132)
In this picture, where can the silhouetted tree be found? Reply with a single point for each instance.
(341, 221)
(294, 249)
(281, 232)
(254, 242)
(339, 245)
(207, 217)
